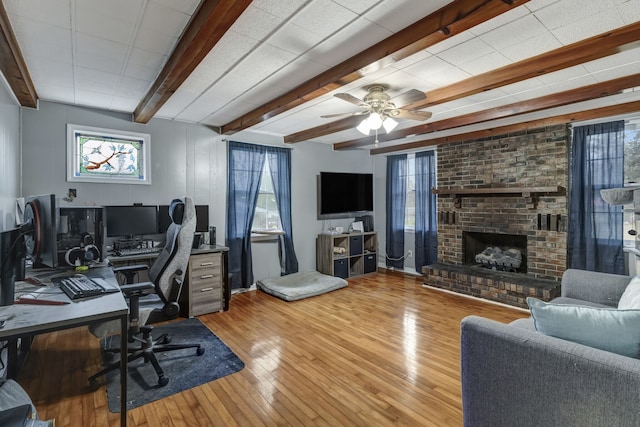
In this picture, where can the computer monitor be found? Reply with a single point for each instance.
(11, 257)
(202, 218)
(131, 221)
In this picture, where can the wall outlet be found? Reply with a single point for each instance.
(409, 254)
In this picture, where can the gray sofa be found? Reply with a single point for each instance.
(514, 376)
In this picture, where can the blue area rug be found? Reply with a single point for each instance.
(184, 369)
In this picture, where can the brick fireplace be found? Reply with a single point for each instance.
(511, 187)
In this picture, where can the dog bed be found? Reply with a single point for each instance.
(296, 286)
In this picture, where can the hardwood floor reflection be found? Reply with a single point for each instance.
(383, 351)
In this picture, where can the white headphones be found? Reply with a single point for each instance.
(86, 253)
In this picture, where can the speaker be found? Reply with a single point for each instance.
(197, 240)
(212, 236)
(367, 221)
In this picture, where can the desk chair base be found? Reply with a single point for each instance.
(148, 348)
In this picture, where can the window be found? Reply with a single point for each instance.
(631, 176)
(107, 156)
(266, 216)
(410, 206)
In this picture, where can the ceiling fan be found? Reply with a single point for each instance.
(382, 109)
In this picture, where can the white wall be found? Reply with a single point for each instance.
(9, 156)
(187, 159)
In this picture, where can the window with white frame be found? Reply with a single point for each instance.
(410, 203)
(107, 156)
(631, 176)
(266, 216)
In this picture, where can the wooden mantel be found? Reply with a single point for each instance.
(530, 192)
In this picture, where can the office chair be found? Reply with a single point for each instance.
(155, 301)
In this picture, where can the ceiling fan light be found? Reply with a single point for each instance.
(364, 126)
(389, 124)
(375, 121)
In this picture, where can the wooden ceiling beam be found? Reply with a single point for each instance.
(585, 93)
(12, 64)
(595, 113)
(452, 19)
(207, 26)
(596, 47)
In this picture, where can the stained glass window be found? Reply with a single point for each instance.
(103, 155)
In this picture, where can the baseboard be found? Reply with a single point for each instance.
(524, 310)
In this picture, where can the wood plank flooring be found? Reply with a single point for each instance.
(383, 351)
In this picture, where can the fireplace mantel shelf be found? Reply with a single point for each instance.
(524, 191)
(529, 192)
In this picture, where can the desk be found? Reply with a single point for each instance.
(201, 250)
(26, 321)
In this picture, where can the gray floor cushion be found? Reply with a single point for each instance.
(300, 285)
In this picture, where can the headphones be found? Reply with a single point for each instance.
(86, 253)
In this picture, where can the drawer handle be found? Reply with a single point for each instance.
(206, 289)
(206, 276)
(204, 264)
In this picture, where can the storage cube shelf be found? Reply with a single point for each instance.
(347, 255)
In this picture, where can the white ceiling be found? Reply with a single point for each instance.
(106, 54)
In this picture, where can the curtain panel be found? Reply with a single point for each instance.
(245, 162)
(595, 228)
(280, 167)
(245, 165)
(426, 228)
(396, 193)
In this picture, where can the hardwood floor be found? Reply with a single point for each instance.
(383, 351)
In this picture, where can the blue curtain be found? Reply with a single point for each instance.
(426, 230)
(595, 227)
(245, 171)
(280, 167)
(396, 200)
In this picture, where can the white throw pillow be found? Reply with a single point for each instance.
(631, 297)
(610, 329)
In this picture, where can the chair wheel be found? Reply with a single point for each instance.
(163, 381)
(108, 356)
(200, 351)
(94, 385)
(166, 340)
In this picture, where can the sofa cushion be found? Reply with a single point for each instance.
(576, 301)
(630, 298)
(609, 329)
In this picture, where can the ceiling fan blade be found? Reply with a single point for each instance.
(357, 113)
(350, 98)
(408, 97)
(414, 115)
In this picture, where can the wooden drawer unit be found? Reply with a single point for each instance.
(203, 292)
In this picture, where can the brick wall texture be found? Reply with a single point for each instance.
(533, 158)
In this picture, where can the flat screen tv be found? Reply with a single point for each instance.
(344, 195)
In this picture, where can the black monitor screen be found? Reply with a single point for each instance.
(131, 220)
(202, 218)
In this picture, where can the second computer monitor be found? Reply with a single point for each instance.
(202, 218)
(129, 221)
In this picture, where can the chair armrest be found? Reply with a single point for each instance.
(133, 268)
(601, 288)
(129, 271)
(137, 289)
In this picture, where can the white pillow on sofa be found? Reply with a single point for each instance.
(610, 329)
(630, 298)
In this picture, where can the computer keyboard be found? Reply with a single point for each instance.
(80, 286)
(137, 251)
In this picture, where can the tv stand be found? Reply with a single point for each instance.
(347, 255)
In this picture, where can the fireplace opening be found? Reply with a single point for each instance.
(505, 252)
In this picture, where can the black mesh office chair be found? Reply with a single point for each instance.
(166, 275)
